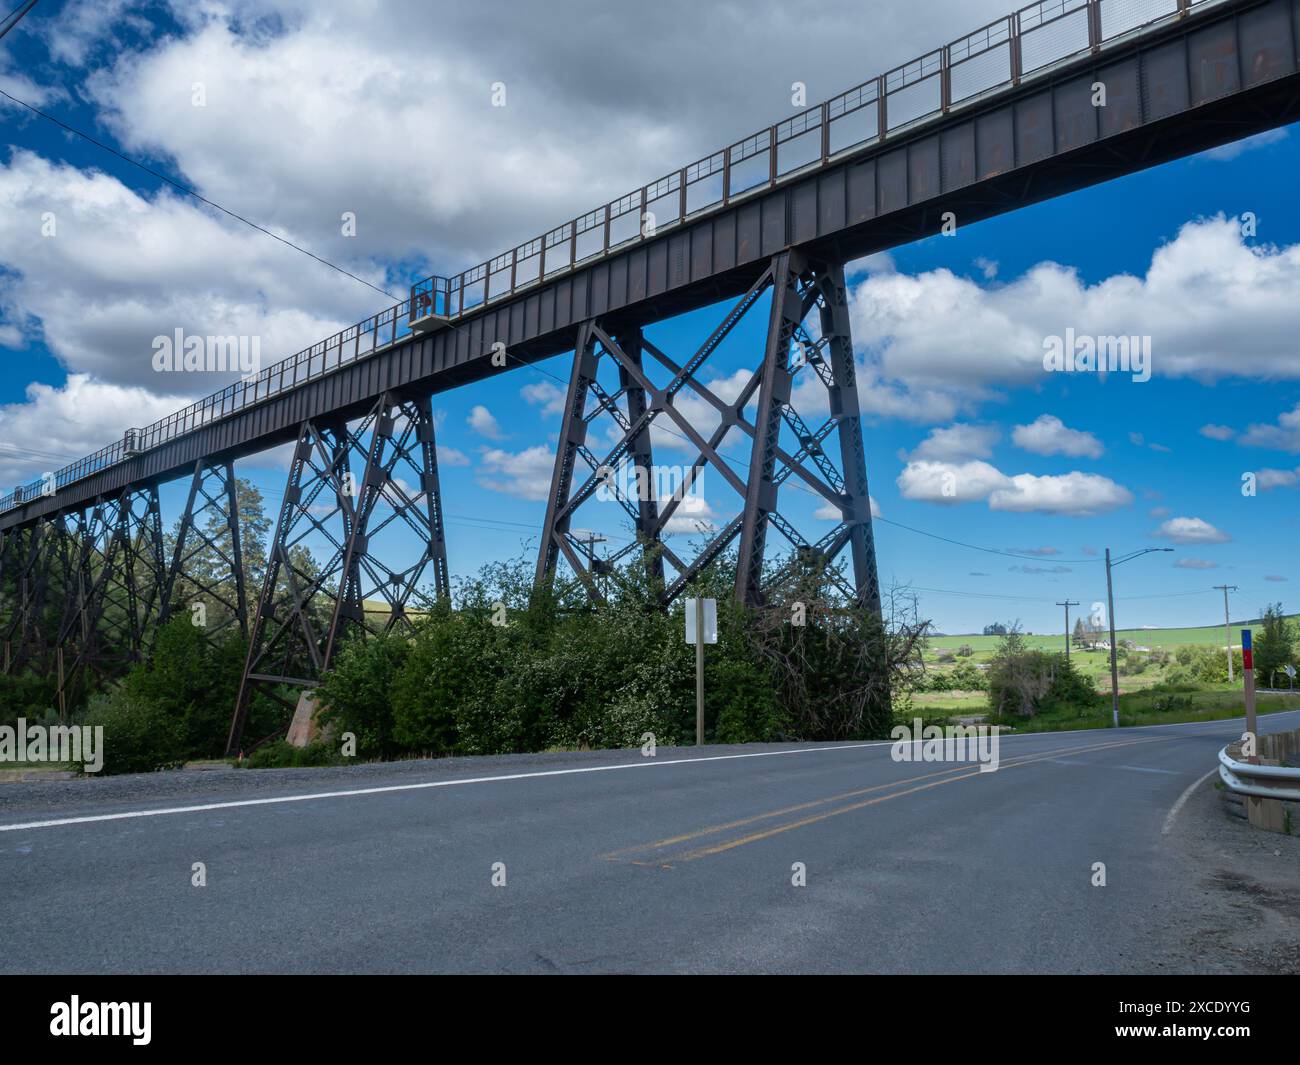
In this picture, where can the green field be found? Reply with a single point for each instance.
(1201, 636)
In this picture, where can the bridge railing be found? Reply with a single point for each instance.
(1001, 54)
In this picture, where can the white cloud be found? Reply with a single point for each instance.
(525, 474)
(1227, 152)
(1195, 563)
(1075, 494)
(63, 424)
(948, 483)
(1192, 299)
(957, 443)
(543, 394)
(484, 422)
(830, 512)
(1048, 435)
(1284, 436)
(1217, 432)
(121, 269)
(450, 456)
(1268, 479)
(1191, 531)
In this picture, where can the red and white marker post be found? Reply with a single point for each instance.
(1248, 678)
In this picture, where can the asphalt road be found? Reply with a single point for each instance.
(618, 863)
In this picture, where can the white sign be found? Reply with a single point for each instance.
(710, 621)
(1289, 671)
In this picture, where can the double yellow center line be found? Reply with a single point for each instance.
(660, 852)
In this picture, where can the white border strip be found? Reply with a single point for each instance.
(425, 785)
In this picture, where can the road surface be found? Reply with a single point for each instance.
(613, 862)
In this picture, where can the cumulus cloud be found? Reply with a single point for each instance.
(1048, 435)
(1267, 479)
(550, 398)
(450, 456)
(1074, 494)
(1192, 299)
(1284, 436)
(484, 422)
(830, 512)
(957, 442)
(120, 269)
(58, 425)
(1191, 531)
(1217, 432)
(523, 474)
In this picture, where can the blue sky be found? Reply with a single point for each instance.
(948, 331)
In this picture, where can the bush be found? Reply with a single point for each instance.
(26, 696)
(139, 734)
(1022, 683)
(281, 755)
(356, 694)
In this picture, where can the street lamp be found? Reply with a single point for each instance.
(1110, 608)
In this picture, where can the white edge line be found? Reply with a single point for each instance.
(1182, 799)
(425, 785)
(648, 763)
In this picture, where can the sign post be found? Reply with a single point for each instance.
(701, 628)
(1248, 678)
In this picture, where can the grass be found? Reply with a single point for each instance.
(1198, 636)
(1149, 707)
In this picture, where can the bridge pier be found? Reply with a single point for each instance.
(781, 444)
(114, 586)
(207, 565)
(307, 606)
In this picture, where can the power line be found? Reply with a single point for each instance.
(190, 192)
(15, 16)
(976, 547)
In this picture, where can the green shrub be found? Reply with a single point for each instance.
(281, 755)
(356, 694)
(26, 696)
(139, 734)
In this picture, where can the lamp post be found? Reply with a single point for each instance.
(1110, 609)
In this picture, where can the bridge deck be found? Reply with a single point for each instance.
(1222, 70)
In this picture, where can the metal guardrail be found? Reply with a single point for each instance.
(1262, 781)
(1022, 45)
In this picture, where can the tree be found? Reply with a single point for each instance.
(996, 629)
(1275, 644)
(1080, 637)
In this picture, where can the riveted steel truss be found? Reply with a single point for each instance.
(112, 595)
(324, 572)
(31, 560)
(781, 445)
(206, 575)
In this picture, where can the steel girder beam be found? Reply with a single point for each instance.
(307, 604)
(628, 407)
(402, 445)
(797, 286)
(113, 591)
(28, 558)
(207, 565)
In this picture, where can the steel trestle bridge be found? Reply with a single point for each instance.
(999, 119)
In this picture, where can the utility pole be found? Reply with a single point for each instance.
(1110, 609)
(1227, 630)
(589, 540)
(1067, 604)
